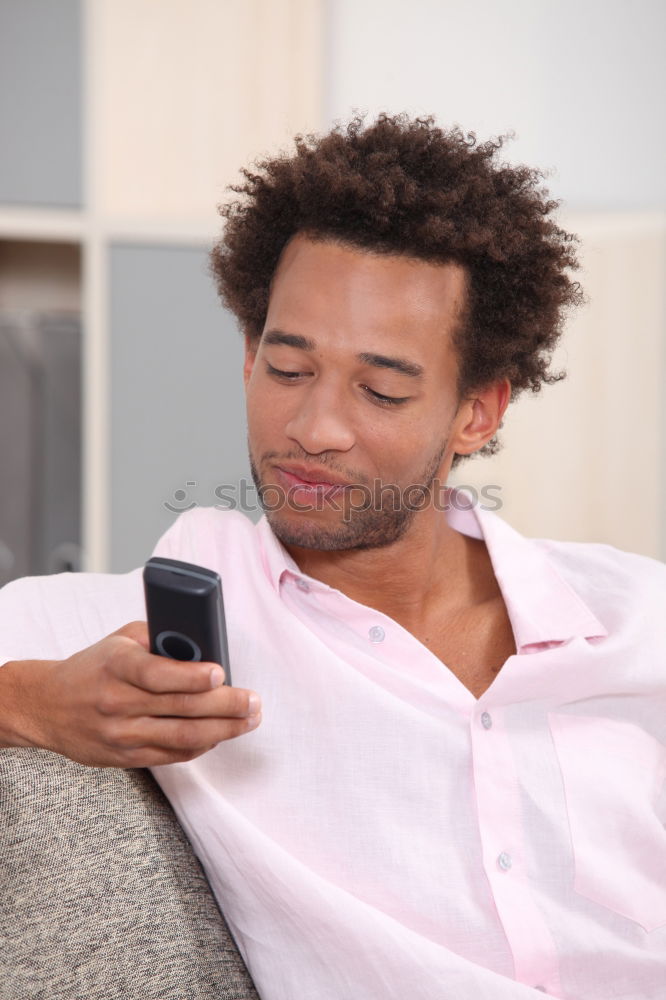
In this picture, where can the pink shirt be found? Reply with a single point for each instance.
(383, 833)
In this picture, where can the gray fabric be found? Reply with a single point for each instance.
(101, 896)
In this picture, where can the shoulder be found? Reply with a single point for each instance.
(51, 617)
(210, 537)
(604, 575)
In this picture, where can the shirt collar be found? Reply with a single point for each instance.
(275, 557)
(542, 606)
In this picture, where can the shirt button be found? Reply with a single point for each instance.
(486, 720)
(376, 633)
(504, 861)
(302, 585)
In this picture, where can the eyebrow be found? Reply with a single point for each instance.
(400, 365)
(277, 337)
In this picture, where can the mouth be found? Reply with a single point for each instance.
(313, 480)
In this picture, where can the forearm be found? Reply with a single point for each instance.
(19, 679)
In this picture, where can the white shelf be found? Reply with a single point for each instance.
(43, 224)
(155, 232)
(52, 225)
(613, 224)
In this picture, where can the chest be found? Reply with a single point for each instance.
(473, 644)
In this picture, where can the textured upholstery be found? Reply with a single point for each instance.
(101, 896)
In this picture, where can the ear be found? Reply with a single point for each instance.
(251, 347)
(479, 417)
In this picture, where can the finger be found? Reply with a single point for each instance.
(159, 674)
(224, 703)
(138, 631)
(182, 736)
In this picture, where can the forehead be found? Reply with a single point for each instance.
(325, 289)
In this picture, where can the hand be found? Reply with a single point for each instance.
(115, 704)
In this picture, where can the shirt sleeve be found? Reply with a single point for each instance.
(52, 617)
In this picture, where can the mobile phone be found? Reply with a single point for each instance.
(185, 611)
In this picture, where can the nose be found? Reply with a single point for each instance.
(321, 422)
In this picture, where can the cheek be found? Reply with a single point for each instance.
(396, 448)
(253, 411)
(266, 415)
(403, 453)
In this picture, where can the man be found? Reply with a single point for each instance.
(455, 787)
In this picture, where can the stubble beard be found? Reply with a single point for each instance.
(375, 526)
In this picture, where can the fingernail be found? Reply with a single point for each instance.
(253, 721)
(216, 677)
(253, 704)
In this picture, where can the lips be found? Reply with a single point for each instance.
(299, 477)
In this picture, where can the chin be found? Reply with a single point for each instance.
(366, 530)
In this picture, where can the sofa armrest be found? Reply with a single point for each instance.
(101, 896)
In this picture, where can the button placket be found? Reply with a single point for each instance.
(500, 817)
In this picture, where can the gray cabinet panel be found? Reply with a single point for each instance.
(40, 102)
(40, 444)
(178, 428)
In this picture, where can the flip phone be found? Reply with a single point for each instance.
(185, 611)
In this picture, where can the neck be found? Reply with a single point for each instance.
(431, 569)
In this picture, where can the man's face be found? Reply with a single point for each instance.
(351, 393)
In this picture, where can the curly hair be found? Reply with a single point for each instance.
(404, 186)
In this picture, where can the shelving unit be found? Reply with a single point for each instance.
(123, 129)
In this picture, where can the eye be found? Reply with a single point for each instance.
(384, 400)
(278, 373)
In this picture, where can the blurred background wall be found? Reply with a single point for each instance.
(121, 123)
